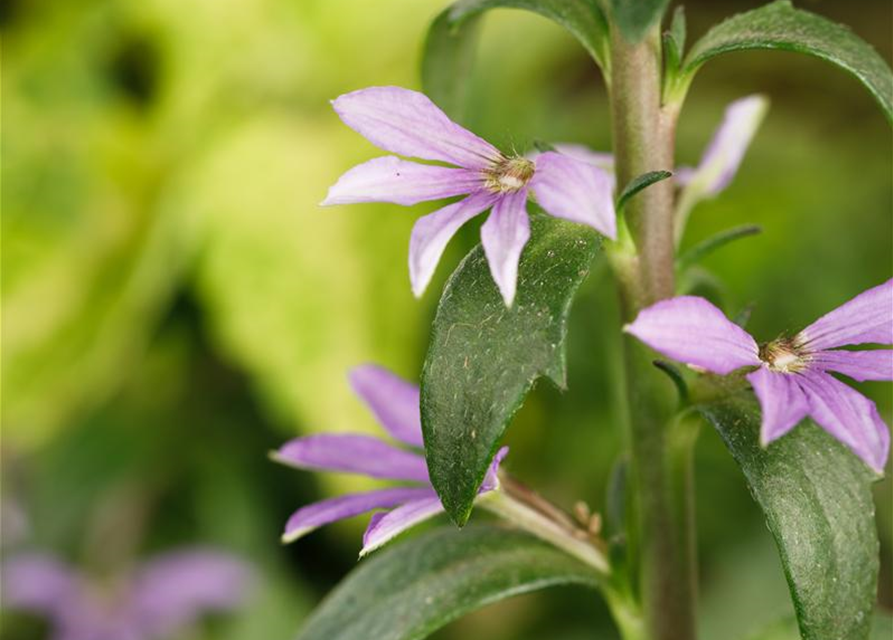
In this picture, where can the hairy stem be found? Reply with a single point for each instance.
(659, 530)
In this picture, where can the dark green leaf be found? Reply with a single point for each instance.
(635, 17)
(780, 26)
(711, 244)
(452, 37)
(640, 182)
(817, 500)
(410, 590)
(484, 358)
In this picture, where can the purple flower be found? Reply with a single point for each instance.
(395, 404)
(163, 597)
(407, 123)
(792, 380)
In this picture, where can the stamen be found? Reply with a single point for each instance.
(509, 175)
(784, 356)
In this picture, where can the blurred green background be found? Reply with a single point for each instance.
(175, 303)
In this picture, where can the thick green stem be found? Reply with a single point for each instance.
(660, 531)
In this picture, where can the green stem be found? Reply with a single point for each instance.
(659, 529)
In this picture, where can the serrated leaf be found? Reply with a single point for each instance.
(635, 17)
(638, 183)
(816, 497)
(483, 358)
(780, 26)
(452, 38)
(409, 590)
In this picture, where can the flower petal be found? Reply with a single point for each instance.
(858, 365)
(317, 514)
(848, 416)
(390, 179)
(866, 318)
(782, 402)
(384, 528)
(39, 583)
(175, 589)
(504, 235)
(431, 234)
(575, 190)
(691, 330)
(726, 150)
(352, 453)
(409, 124)
(583, 153)
(393, 400)
(491, 480)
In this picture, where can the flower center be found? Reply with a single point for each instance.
(509, 175)
(783, 355)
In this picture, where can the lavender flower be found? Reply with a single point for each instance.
(407, 123)
(395, 404)
(792, 380)
(162, 598)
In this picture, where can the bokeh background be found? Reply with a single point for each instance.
(175, 303)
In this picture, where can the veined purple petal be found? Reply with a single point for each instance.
(782, 402)
(407, 123)
(390, 179)
(431, 234)
(504, 235)
(39, 583)
(384, 528)
(393, 400)
(848, 416)
(315, 515)
(352, 453)
(858, 365)
(866, 318)
(575, 190)
(175, 589)
(726, 150)
(691, 330)
(583, 153)
(491, 480)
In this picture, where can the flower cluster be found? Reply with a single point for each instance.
(159, 600)
(395, 404)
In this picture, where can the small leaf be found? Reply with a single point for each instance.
(676, 378)
(635, 17)
(640, 182)
(780, 26)
(450, 44)
(410, 590)
(711, 244)
(816, 497)
(678, 28)
(674, 48)
(483, 358)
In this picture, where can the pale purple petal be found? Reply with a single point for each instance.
(431, 234)
(491, 480)
(315, 515)
(393, 401)
(782, 402)
(575, 190)
(726, 150)
(691, 330)
(848, 416)
(384, 528)
(39, 583)
(866, 318)
(390, 179)
(581, 152)
(409, 124)
(175, 589)
(858, 365)
(504, 235)
(352, 453)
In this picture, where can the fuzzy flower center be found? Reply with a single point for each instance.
(784, 356)
(508, 175)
